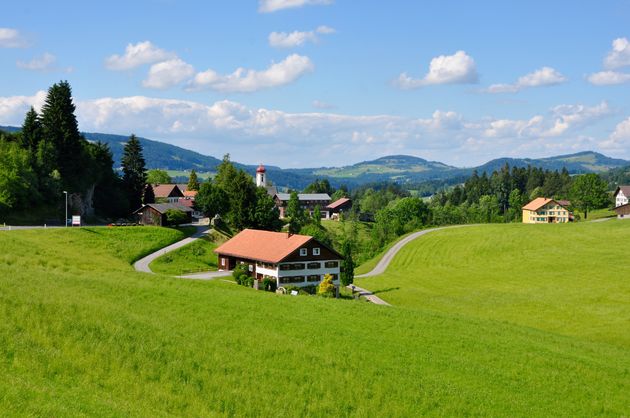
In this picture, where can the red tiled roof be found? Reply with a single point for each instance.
(338, 203)
(267, 246)
(190, 193)
(189, 203)
(166, 190)
(539, 202)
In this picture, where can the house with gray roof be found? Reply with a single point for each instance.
(308, 201)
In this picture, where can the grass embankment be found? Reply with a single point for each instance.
(567, 279)
(83, 334)
(599, 214)
(196, 256)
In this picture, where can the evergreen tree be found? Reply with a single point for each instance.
(134, 171)
(347, 274)
(60, 128)
(149, 195)
(193, 182)
(31, 131)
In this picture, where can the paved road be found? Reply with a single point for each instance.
(143, 264)
(391, 253)
(368, 295)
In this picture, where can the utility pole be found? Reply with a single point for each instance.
(66, 218)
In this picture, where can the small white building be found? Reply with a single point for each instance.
(622, 194)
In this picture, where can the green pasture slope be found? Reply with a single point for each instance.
(82, 334)
(567, 279)
(196, 256)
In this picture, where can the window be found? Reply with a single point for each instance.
(223, 261)
(314, 265)
(292, 279)
(285, 267)
(315, 251)
(303, 252)
(331, 264)
(313, 278)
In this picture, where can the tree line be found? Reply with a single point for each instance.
(49, 156)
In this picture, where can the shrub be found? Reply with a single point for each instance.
(175, 217)
(326, 287)
(269, 284)
(239, 271)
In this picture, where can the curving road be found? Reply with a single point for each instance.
(142, 265)
(391, 253)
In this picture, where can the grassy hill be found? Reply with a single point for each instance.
(564, 279)
(83, 334)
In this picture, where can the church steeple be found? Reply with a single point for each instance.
(261, 176)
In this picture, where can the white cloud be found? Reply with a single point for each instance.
(167, 74)
(42, 63)
(11, 38)
(268, 6)
(458, 68)
(545, 76)
(607, 78)
(620, 54)
(326, 138)
(14, 108)
(297, 38)
(243, 80)
(136, 55)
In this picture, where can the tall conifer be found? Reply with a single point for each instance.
(134, 171)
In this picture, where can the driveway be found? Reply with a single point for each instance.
(143, 264)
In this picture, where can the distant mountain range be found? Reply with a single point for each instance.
(395, 168)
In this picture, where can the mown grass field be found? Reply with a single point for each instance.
(196, 256)
(567, 279)
(83, 334)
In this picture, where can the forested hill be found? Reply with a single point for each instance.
(396, 168)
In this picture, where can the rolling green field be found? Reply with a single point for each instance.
(565, 279)
(196, 256)
(83, 334)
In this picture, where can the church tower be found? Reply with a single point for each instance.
(261, 176)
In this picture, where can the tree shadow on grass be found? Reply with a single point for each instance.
(389, 289)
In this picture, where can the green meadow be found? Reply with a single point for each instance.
(568, 279)
(83, 334)
(196, 256)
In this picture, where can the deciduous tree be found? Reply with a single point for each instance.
(589, 192)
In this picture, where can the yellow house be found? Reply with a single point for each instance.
(542, 211)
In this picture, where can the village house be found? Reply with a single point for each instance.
(308, 201)
(155, 213)
(622, 194)
(169, 193)
(338, 207)
(623, 211)
(544, 210)
(295, 260)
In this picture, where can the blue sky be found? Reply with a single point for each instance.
(332, 82)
